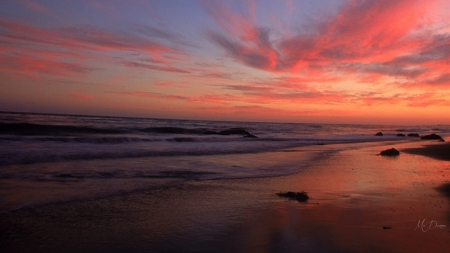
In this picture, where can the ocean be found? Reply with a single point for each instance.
(47, 159)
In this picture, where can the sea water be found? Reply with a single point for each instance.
(47, 159)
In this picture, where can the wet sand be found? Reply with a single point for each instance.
(439, 151)
(359, 202)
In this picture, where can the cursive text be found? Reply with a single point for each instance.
(427, 226)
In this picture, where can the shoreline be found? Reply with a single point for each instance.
(359, 201)
(440, 151)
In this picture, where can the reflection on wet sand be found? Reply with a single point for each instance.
(362, 203)
(359, 202)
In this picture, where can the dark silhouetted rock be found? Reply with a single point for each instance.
(379, 134)
(250, 136)
(431, 137)
(400, 135)
(413, 135)
(445, 189)
(387, 227)
(390, 152)
(299, 196)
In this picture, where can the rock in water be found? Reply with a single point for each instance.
(390, 152)
(413, 135)
(400, 135)
(431, 137)
(299, 196)
(379, 134)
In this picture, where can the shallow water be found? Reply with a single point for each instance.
(354, 193)
(63, 158)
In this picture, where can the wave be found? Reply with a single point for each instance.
(203, 131)
(39, 129)
(32, 158)
(77, 176)
(32, 129)
(173, 130)
(75, 140)
(173, 147)
(119, 139)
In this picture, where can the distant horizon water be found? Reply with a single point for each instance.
(217, 120)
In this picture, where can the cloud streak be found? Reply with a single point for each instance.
(78, 42)
(388, 38)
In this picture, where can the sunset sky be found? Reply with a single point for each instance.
(322, 61)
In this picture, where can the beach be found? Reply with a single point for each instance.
(202, 126)
(359, 202)
(221, 126)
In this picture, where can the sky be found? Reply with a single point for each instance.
(321, 61)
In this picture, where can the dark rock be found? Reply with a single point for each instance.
(400, 135)
(386, 227)
(390, 152)
(431, 137)
(413, 135)
(445, 189)
(379, 134)
(299, 196)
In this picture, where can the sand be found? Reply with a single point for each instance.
(436, 150)
(359, 202)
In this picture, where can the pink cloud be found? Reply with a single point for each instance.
(376, 39)
(428, 99)
(81, 96)
(33, 66)
(171, 84)
(216, 99)
(146, 94)
(50, 49)
(32, 5)
(290, 6)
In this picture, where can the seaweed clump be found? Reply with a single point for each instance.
(299, 196)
